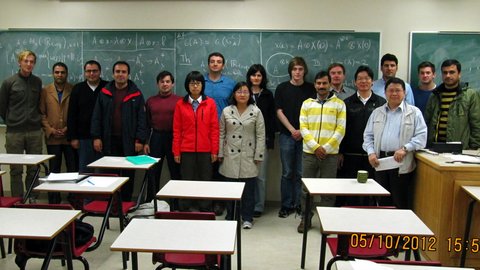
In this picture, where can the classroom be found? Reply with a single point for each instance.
(394, 20)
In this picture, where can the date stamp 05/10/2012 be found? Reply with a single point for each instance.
(407, 242)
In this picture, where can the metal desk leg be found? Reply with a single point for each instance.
(305, 229)
(121, 220)
(134, 261)
(467, 233)
(34, 180)
(68, 250)
(103, 227)
(48, 256)
(323, 250)
(238, 207)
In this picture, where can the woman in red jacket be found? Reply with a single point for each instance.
(195, 134)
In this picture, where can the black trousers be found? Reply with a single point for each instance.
(161, 147)
(400, 187)
(196, 166)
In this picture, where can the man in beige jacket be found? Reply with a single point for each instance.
(54, 102)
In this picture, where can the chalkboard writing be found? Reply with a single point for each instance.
(149, 52)
(437, 47)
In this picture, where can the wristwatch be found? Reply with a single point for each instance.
(404, 149)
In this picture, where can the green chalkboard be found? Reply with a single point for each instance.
(437, 47)
(181, 51)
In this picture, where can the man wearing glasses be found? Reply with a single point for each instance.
(396, 130)
(82, 101)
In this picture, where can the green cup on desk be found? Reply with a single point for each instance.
(362, 176)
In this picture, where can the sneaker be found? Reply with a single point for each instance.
(302, 225)
(247, 225)
(284, 212)
(257, 214)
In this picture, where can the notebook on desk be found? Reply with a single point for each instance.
(63, 178)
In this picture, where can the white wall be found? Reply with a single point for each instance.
(393, 18)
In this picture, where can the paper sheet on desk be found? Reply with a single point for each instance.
(96, 181)
(387, 163)
(464, 158)
(367, 265)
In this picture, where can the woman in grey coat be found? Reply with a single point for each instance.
(242, 146)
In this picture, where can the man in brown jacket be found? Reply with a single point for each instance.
(54, 102)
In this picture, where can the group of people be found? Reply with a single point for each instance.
(224, 130)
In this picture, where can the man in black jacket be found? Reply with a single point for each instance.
(359, 108)
(119, 121)
(80, 110)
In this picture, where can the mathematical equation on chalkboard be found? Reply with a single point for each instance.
(148, 52)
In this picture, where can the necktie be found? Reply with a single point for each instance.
(195, 105)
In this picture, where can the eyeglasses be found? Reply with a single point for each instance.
(364, 79)
(91, 71)
(242, 92)
(195, 83)
(396, 91)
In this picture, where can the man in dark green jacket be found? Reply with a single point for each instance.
(453, 110)
(19, 108)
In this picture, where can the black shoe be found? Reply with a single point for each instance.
(298, 210)
(284, 212)
(257, 214)
(218, 209)
(21, 261)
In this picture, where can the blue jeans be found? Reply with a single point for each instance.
(291, 182)
(248, 199)
(260, 183)
(86, 155)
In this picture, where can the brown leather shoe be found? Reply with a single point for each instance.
(302, 225)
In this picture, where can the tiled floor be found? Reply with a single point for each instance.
(273, 243)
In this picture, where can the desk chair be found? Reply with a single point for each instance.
(6, 202)
(186, 260)
(100, 207)
(24, 249)
(341, 247)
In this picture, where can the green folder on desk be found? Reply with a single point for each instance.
(141, 160)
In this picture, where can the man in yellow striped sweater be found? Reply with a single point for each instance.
(322, 125)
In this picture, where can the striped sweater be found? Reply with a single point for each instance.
(323, 124)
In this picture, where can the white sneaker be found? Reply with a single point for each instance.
(247, 225)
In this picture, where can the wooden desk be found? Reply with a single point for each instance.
(29, 160)
(211, 190)
(474, 243)
(440, 202)
(347, 265)
(94, 185)
(388, 222)
(41, 224)
(184, 236)
(336, 186)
